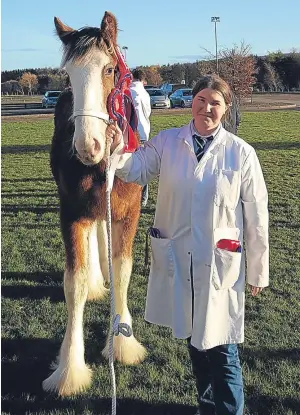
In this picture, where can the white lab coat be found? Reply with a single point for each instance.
(142, 104)
(222, 196)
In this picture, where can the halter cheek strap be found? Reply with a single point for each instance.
(90, 113)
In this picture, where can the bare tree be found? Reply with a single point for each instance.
(29, 81)
(237, 67)
(271, 77)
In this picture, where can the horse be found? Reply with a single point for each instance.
(78, 166)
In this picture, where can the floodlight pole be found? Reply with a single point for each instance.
(215, 20)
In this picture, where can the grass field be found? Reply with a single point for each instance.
(34, 312)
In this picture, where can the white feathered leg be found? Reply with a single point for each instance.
(72, 375)
(103, 248)
(96, 289)
(127, 350)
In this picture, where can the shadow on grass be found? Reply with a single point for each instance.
(26, 364)
(250, 356)
(258, 404)
(29, 193)
(98, 407)
(56, 294)
(48, 290)
(30, 226)
(284, 224)
(37, 210)
(275, 145)
(25, 149)
(40, 277)
(34, 179)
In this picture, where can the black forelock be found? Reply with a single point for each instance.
(78, 43)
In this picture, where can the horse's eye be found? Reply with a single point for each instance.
(109, 71)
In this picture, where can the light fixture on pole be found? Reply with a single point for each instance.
(216, 20)
(124, 49)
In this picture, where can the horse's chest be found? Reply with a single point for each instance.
(94, 196)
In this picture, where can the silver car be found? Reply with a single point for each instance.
(181, 98)
(158, 99)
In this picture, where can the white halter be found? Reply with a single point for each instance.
(90, 113)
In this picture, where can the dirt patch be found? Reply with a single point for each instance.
(275, 98)
(26, 118)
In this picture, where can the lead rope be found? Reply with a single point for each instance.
(116, 327)
(112, 289)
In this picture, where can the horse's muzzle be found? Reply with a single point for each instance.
(90, 154)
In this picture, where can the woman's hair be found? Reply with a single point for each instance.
(216, 83)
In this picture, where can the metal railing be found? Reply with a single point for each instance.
(21, 106)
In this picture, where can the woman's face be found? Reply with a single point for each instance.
(208, 108)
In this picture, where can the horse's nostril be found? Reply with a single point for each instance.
(96, 148)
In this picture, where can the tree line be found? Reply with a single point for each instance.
(244, 72)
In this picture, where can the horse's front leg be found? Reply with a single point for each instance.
(96, 289)
(126, 349)
(72, 375)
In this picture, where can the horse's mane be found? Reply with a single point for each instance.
(79, 43)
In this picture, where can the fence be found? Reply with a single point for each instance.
(21, 106)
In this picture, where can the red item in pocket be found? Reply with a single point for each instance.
(229, 245)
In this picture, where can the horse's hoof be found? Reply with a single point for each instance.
(69, 380)
(127, 350)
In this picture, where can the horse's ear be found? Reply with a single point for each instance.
(62, 30)
(109, 27)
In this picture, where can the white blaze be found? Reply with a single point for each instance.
(87, 86)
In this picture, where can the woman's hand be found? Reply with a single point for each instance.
(114, 135)
(255, 290)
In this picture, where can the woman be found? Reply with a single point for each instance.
(211, 196)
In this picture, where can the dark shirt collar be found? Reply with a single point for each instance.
(194, 131)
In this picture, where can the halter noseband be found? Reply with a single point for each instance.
(90, 113)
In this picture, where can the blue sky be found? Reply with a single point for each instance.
(156, 32)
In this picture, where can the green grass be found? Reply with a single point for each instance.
(34, 312)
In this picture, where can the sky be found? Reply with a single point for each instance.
(155, 32)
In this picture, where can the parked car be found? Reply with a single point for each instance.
(50, 99)
(150, 86)
(169, 89)
(158, 99)
(182, 98)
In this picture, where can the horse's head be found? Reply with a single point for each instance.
(90, 60)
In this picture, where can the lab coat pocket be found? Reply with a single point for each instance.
(226, 269)
(227, 188)
(162, 262)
